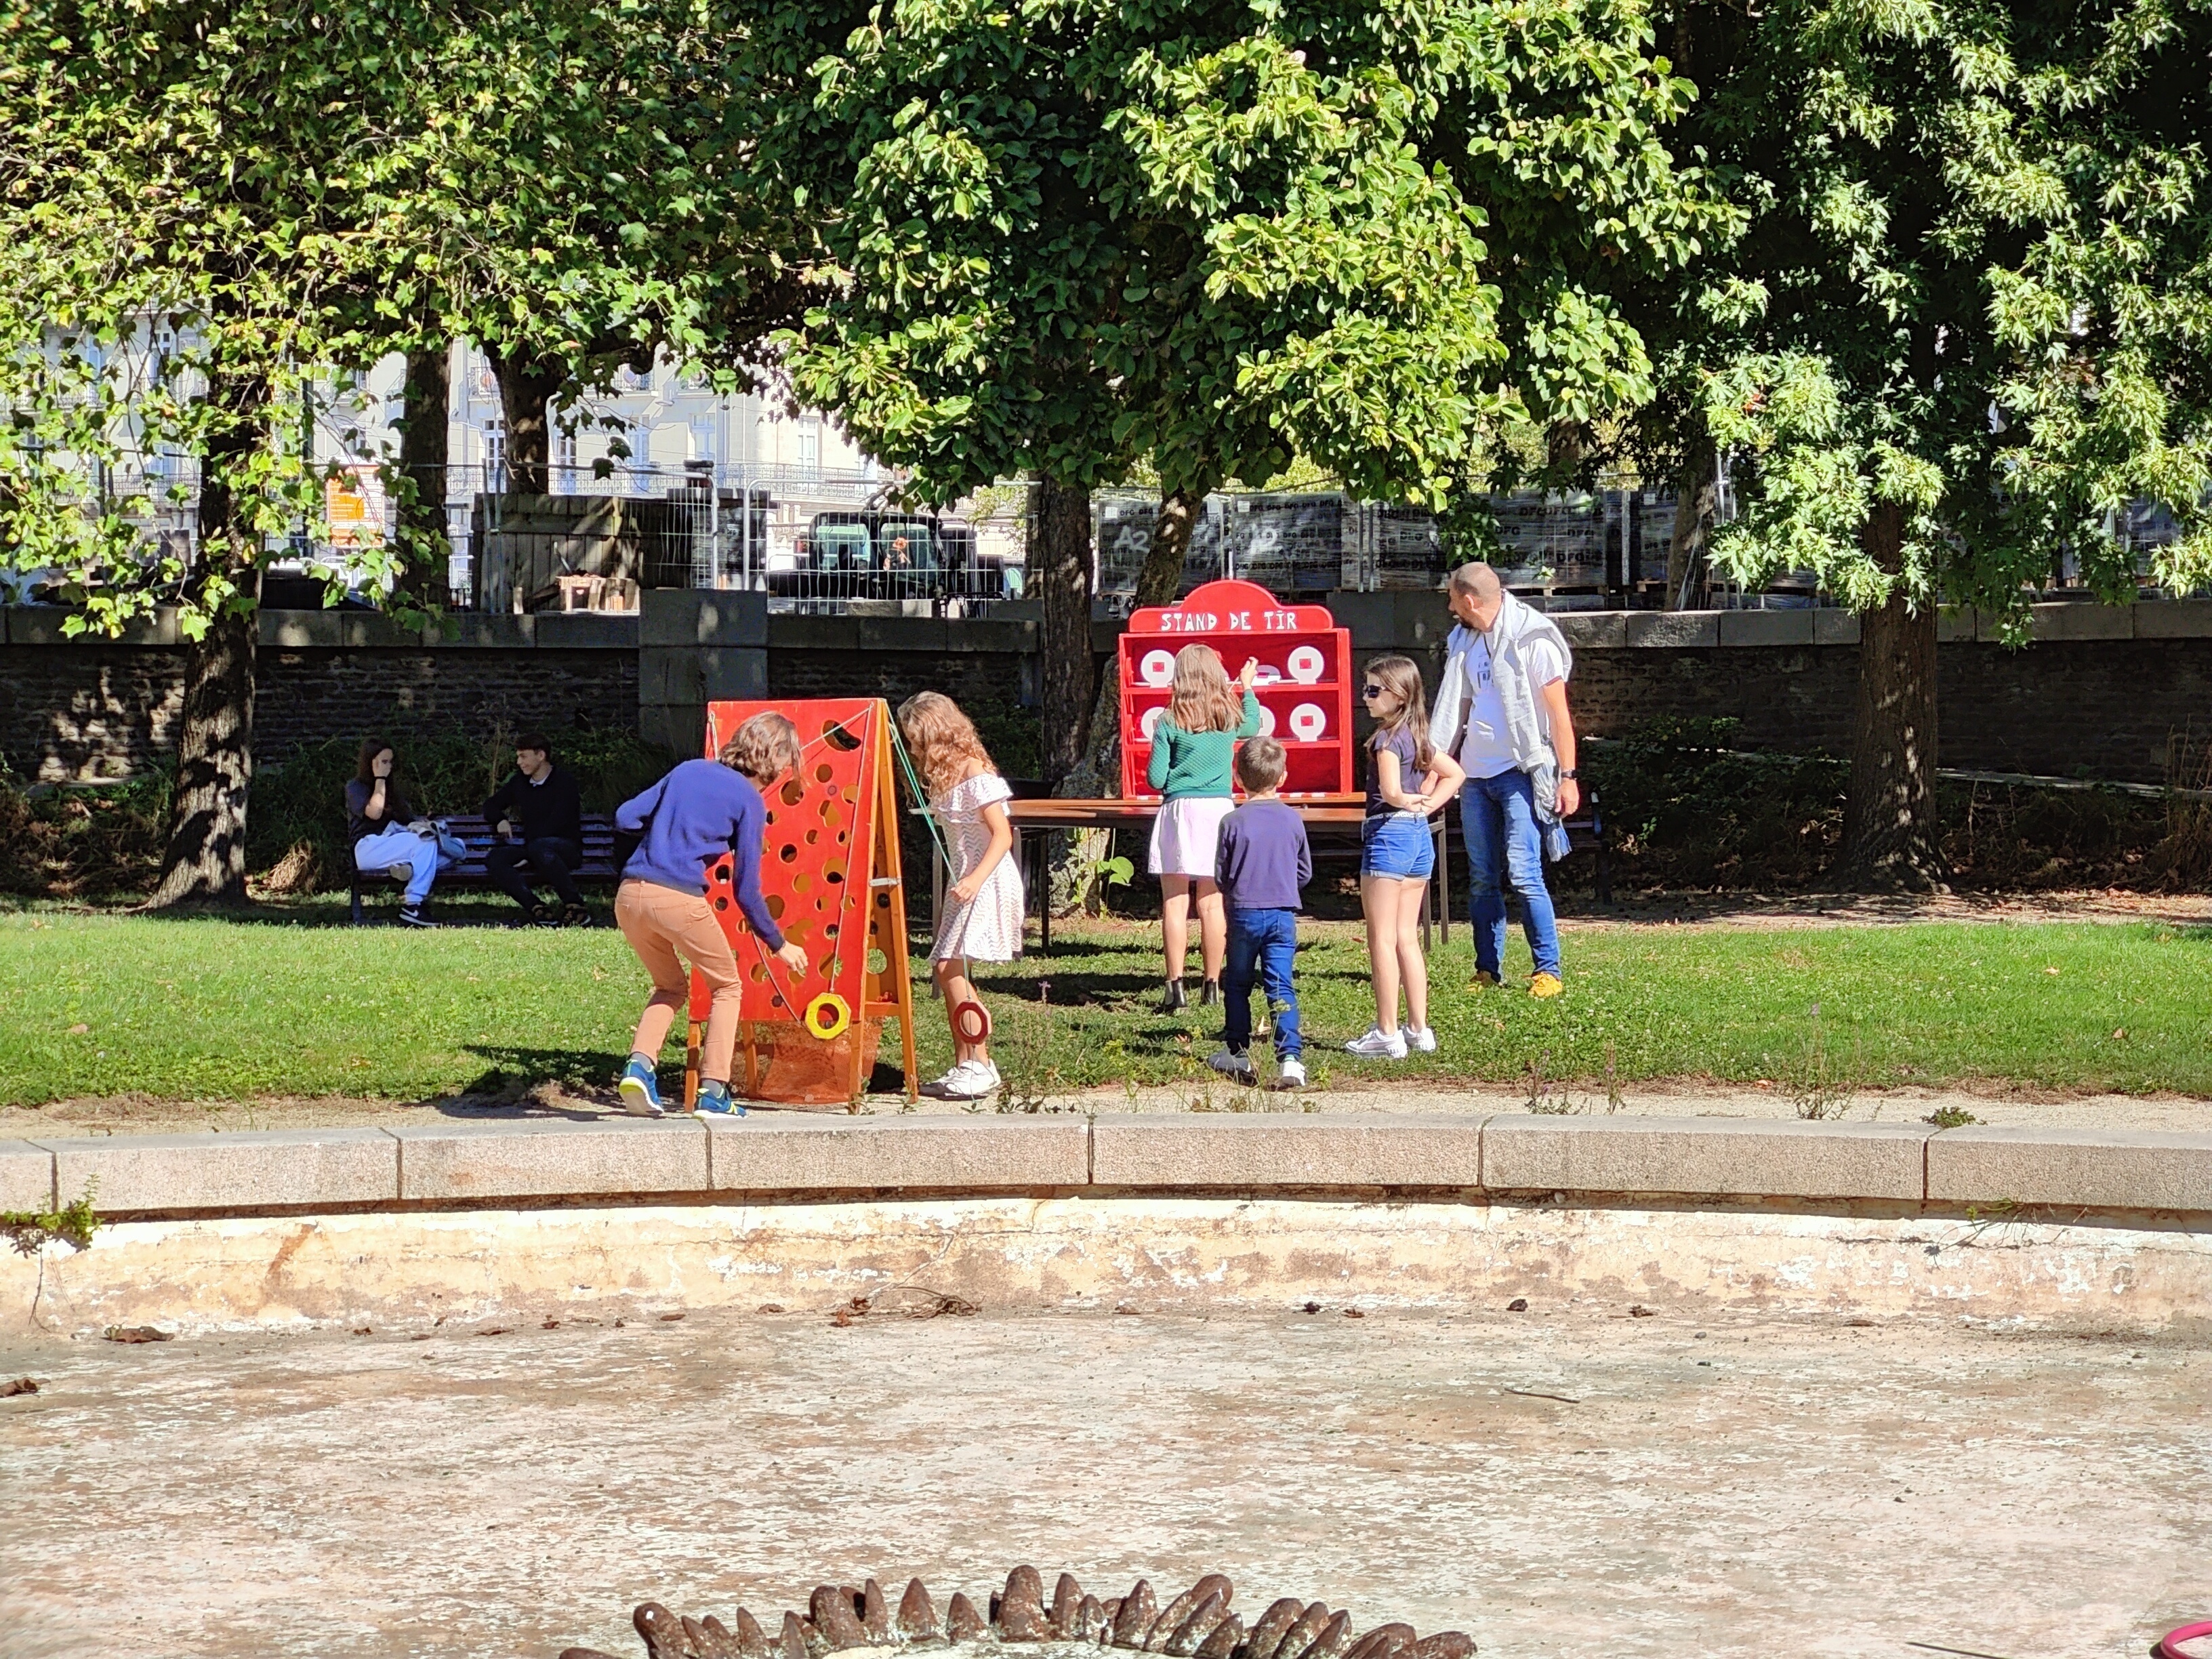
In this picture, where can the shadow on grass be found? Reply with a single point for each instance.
(512, 1071)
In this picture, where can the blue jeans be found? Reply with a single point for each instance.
(1506, 843)
(1263, 946)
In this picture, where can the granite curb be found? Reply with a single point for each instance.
(1999, 1169)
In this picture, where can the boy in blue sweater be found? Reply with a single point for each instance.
(700, 811)
(1262, 864)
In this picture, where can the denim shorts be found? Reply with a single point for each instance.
(1397, 844)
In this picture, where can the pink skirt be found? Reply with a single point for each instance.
(1187, 835)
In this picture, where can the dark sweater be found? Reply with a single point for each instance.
(552, 806)
(1264, 859)
(397, 815)
(699, 812)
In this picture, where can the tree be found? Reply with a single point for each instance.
(1967, 327)
(582, 198)
(1067, 237)
(174, 190)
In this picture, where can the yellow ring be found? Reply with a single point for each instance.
(840, 1012)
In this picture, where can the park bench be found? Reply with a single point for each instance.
(599, 863)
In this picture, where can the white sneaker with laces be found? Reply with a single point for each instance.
(1423, 1041)
(1230, 1063)
(1292, 1075)
(1379, 1044)
(971, 1080)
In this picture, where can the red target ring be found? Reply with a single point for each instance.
(2169, 1645)
(971, 1022)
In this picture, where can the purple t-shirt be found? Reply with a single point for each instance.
(1400, 744)
(1263, 859)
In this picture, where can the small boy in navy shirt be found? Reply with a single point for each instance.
(1263, 862)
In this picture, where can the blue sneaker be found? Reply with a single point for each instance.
(714, 1102)
(640, 1091)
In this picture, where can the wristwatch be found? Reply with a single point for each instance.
(1570, 773)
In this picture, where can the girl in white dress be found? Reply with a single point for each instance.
(982, 914)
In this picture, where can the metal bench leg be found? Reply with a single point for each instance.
(354, 896)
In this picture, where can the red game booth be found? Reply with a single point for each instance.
(1304, 686)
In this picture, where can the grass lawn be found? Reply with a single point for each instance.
(203, 1009)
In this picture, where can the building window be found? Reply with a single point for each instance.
(810, 444)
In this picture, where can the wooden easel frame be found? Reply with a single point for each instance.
(885, 995)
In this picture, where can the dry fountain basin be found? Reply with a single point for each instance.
(1198, 1624)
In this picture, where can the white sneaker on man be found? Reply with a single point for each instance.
(1423, 1042)
(1230, 1063)
(1379, 1044)
(971, 1080)
(1292, 1075)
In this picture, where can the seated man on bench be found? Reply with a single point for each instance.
(538, 815)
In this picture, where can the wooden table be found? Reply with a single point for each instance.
(1333, 815)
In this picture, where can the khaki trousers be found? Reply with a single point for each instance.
(659, 922)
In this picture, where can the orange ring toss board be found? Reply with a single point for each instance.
(830, 878)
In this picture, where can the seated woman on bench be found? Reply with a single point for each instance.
(388, 836)
(541, 808)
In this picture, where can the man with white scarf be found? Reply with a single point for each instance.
(1502, 710)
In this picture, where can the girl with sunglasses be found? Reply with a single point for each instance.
(1412, 780)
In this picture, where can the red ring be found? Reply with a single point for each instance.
(971, 1022)
(2169, 1643)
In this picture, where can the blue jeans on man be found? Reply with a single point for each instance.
(1504, 843)
(1263, 948)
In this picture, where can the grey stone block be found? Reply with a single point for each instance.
(1704, 1157)
(150, 1175)
(779, 1151)
(536, 1159)
(493, 630)
(669, 676)
(1957, 625)
(684, 617)
(1593, 630)
(2097, 1169)
(48, 624)
(1766, 627)
(1834, 627)
(332, 630)
(27, 1176)
(732, 673)
(1671, 629)
(2085, 621)
(587, 630)
(2174, 619)
(928, 633)
(1286, 1150)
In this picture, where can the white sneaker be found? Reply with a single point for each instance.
(1292, 1076)
(1379, 1044)
(1423, 1041)
(971, 1080)
(1230, 1063)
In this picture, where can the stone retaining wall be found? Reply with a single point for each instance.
(1905, 1168)
(2100, 693)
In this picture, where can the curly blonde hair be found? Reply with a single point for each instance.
(943, 740)
(763, 749)
(1206, 699)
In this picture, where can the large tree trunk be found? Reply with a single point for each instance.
(1059, 567)
(1161, 577)
(206, 860)
(422, 460)
(526, 386)
(1889, 819)
(1697, 502)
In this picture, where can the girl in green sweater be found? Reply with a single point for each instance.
(1194, 747)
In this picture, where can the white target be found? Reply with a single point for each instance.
(1308, 722)
(1157, 667)
(1148, 722)
(1267, 721)
(1307, 664)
